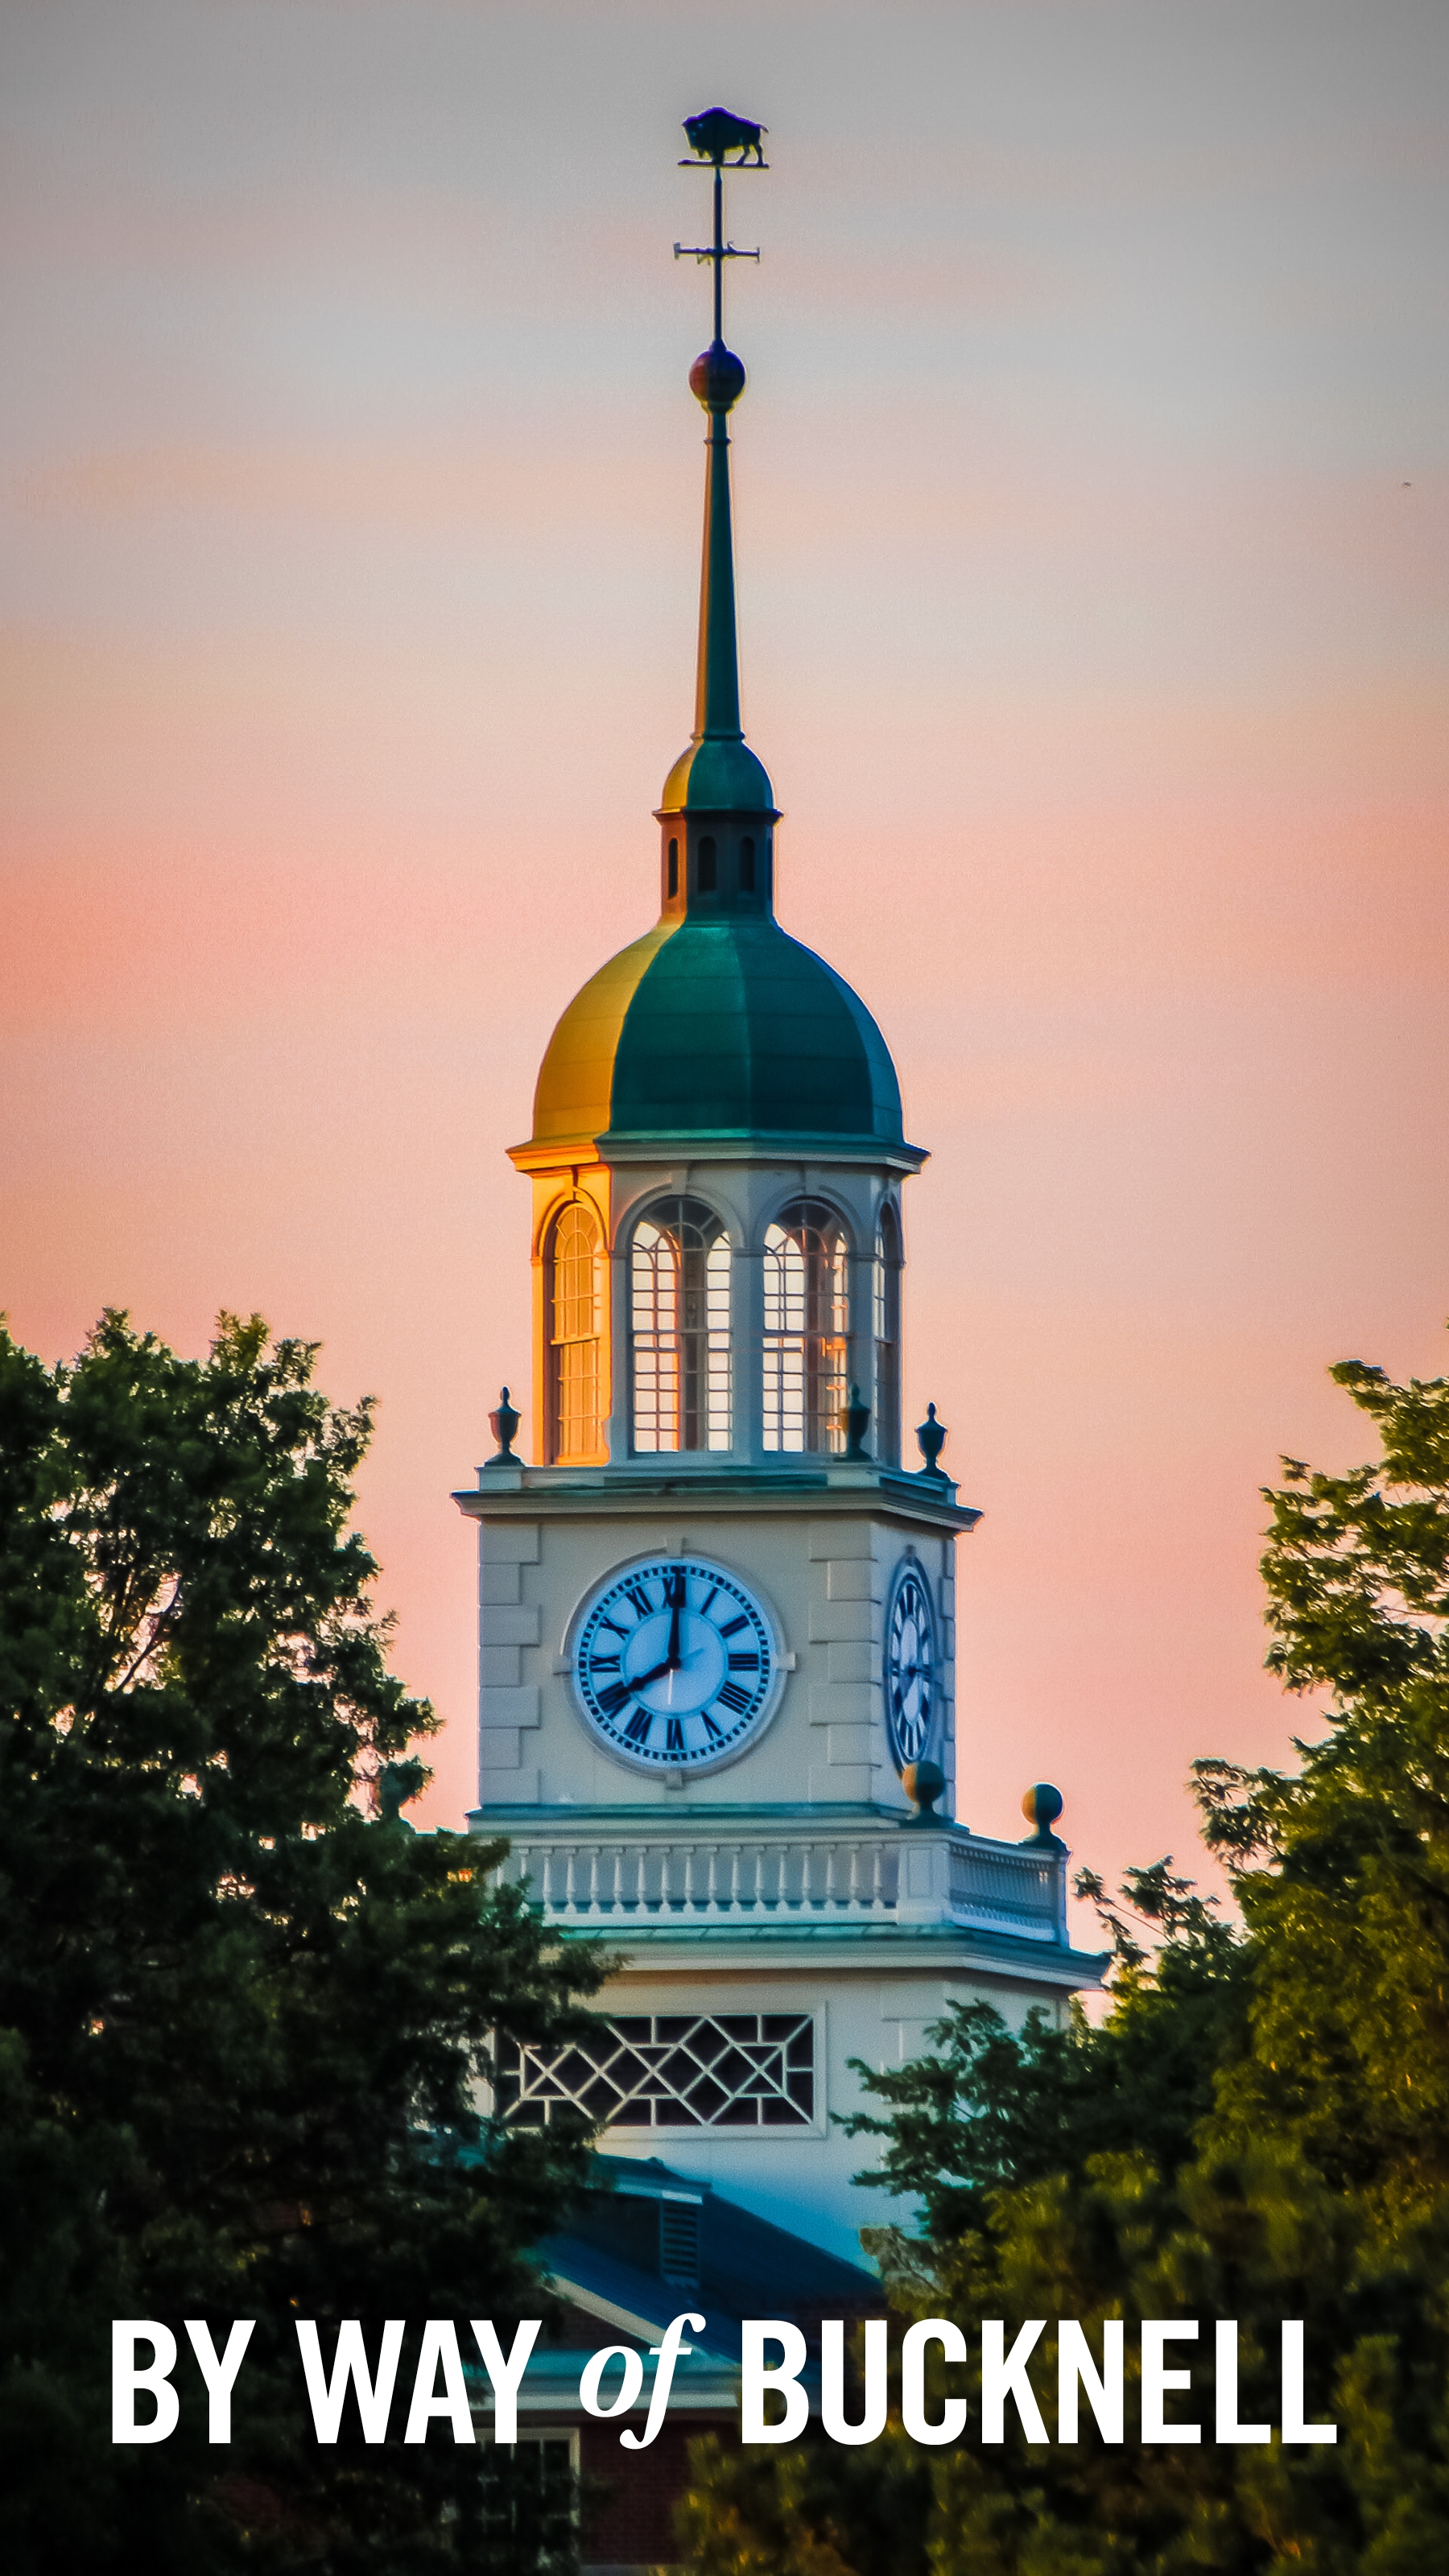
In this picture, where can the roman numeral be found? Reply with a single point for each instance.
(730, 1696)
(744, 1663)
(614, 1624)
(604, 1663)
(640, 1599)
(614, 1697)
(732, 1627)
(711, 1729)
(639, 1724)
(674, 1589)
(674, 1741)
(711, 1596)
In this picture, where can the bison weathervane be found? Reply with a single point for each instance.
(716, 131)
(713, 133)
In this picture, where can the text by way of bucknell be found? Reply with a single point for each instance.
(1175, 2380)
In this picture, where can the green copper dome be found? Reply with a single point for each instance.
(715, 776)
(720, 1030)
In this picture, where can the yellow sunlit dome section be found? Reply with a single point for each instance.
(573, 1101)
(724, 1029)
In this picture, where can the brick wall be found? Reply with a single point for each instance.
(629, 2496)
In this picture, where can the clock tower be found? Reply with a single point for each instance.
(718, 1717)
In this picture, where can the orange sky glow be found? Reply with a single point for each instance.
(1092, 503)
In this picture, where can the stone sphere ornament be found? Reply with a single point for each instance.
(924, 1783)
(1041, 1807)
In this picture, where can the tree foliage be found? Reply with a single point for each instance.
(1257, 2130)
(244, 2009)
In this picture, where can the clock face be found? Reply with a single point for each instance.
(910, 1666)
(675, 1664)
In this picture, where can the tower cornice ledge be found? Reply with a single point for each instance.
(827, 1486)
(615, 1146)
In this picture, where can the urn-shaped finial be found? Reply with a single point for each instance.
(503, 1422)
(931, 1439)
(854, 1420)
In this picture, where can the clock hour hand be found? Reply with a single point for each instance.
(641, 1681)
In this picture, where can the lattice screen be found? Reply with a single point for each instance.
(671, 2071)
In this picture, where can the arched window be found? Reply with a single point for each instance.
(575, 1304)
(888, 1339)
(807, 1328)
(679, 1319)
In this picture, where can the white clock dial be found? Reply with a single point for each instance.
(675, 1665)
(910, 1666)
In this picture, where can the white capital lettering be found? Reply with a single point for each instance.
(439, 2344)
(127, 2381)
(913, 2381)
(329, 2396)
(832, 2381)
(1075, 2365)
(219, 2371)
(756, 2380)
(506, 2376)
(1157, 2333)
(1003, 2378)
(1294, 2428)
(1228, 2429)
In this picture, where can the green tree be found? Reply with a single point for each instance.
(1258, 2130)
(244, 2008)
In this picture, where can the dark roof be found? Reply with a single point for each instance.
(747, 2266)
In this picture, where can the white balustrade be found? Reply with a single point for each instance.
(597, 1879)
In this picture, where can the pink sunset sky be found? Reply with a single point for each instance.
(1092, 511)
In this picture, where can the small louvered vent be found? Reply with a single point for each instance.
(679, 2242)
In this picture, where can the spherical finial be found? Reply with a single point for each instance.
(717, 377)
(923, 1783)
(1041, 1807)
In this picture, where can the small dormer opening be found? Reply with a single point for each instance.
(673, 879)
(707, 868)
(747, 865)
(679, 2242)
